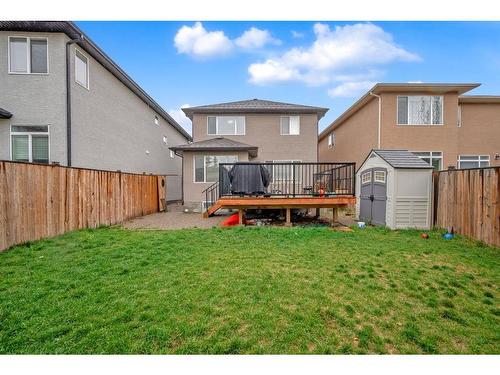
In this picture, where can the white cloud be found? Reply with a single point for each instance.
(181, 118)
(358, 46)
(197, 41)
(297, 35)
(255, 38)
(351, 89)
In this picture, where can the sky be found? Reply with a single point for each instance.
(325, 64)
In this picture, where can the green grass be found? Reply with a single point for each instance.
(250, 290)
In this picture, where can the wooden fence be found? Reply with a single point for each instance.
(469, 201)
(38, 201)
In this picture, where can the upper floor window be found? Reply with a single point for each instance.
(290, 125)
(226, 125)
(434, 158)
(81, 69)
(473, 161)
(331, 140)
(420, 110)
(28, 55)
(30, 143)
(157, 120)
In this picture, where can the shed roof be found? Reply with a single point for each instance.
(5, 114)
(254, 106)
(402, 159)
(216, 144)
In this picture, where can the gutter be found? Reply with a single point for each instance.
(68, 97)
(379, 116)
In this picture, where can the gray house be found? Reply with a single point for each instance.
(63, 100)
(246, 131)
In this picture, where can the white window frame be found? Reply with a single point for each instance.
(217, 126)
(28, 54)
(290, 117)
(408, 111)
(88, 69)
(205, 168)
(172, 154)
(30, 143)
(380, 180)
(165, 140)
(368, 180)
(157, 121)
(480, 158)
(432, 156)
(331, 140)
(285, 161)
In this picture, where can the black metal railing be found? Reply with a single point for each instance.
(287, 179)
(211, 195)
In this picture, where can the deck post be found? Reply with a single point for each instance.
(288, 218)
(334, 216)
(240, 216)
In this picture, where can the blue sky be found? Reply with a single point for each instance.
(328, 64)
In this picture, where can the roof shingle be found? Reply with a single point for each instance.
(402, 159)
(215, 144)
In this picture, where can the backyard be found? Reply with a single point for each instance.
(250, 290)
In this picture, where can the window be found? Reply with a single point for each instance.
(172, 154)
(434, 158)
(30, 143)
(226, 125)
(81, 69)
(420, 110)
(165, 140)
(206, 168)
(473, 161)
(366, 177)
(331, 140)
(157, 121)
(283, 170)
(379, 176)
(28, 55)
(290, 125)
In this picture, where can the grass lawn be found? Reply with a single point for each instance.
(250, 290)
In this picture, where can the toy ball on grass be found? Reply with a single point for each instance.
(424, 235)
(448, 236)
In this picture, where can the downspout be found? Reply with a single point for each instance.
(68, 97)
(379, 117)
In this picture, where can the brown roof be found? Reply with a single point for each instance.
(433, 88)
(254, 106)
(215, 144)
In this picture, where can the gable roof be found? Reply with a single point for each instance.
(432, 88)
(255, 106)
(215, 144)
(73, 32)
(5, 114)
(400, 159)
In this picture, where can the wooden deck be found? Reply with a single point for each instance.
(287, 203)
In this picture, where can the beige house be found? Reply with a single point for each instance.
(436, 121)
(249, 130)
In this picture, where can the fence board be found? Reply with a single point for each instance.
(38, 201)
(469, 201)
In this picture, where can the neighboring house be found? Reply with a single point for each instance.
(63, 100)
(249, 130)
(435, 121)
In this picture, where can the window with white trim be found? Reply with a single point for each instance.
(284, 170)
(157, 120)
(290, 125)
(434, 158)
(172, 154)
(366, 177)
(81, 69)
(30, 143)
(28, 55)
(165, 140)
(420, 110)
(473, 161)
(379, 176)
(331, 140)
(206, 167)
(226, 125)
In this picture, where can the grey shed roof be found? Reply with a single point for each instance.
(216, 144)
(255, 106)
(73, 32)
(5, 114)
(402, 159)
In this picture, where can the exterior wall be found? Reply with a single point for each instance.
(263, 131)
(35, 99)
(354, 139)
(193, 190)
(479, 133)
(442, 138)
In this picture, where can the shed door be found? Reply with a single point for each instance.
(373, 196)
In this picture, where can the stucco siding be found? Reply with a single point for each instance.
(354, 138)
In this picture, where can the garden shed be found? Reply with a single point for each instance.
(394, 188)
